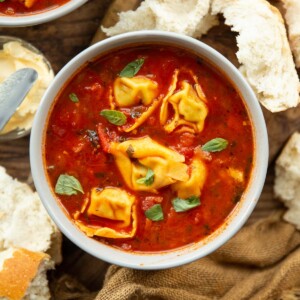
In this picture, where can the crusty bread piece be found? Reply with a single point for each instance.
(24, 222)
(188, 17)
(292, 17)
(23, 275)
(287, 179)
(264, 52)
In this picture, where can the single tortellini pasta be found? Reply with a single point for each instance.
(129, 92)
(194, 185)
(189, 106)
(136, 157)
(113, 204)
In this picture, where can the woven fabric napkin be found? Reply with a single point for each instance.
(261, 262)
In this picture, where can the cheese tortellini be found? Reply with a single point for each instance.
(135, 157)
(193, 186)
(190, 109)
(131, 91)
(113, 204)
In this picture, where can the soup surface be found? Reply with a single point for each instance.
(27, 7)
(149, 148)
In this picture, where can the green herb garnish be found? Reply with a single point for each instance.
(155, 213)
(68, 185)
(114, 117)
(181, 205)
(73, 97)
(215, 145)
(132, 68)
(148, 179)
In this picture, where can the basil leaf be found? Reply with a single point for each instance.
(130, 151)
(215, 145)
(114, 117)
(2, 0)
(148, 180)
(73, 97)
(68, 185)
(181, 205)
(132, 68)
(155, 213)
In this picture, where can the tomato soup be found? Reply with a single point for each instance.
(27, 7)
(148, 148)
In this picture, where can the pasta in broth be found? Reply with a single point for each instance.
(149, 148)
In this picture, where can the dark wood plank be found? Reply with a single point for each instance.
(111, 16)
(14, 156)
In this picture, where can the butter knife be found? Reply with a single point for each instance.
(13, 90)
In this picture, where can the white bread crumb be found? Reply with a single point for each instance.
(189, 17)
(39, 289)
(24, 222)
(264, 52)
(287, 179)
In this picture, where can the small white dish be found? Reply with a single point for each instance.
(19, 132)
(189, 253)
(42, 17)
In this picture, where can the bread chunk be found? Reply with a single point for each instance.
(264, 52)
(190, 17)
(292, 17)
(24, 223)
(287, 180)
(23, 274)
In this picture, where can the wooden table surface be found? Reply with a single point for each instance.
(60, 41)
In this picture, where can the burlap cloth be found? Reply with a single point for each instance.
(261, 262)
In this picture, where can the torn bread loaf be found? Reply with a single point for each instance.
(23, 274)
(287, 179)
(190, 17)
(24, 223)
(292, 17)
(264, 52)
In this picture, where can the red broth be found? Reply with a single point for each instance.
(17, 8)
(72, 146)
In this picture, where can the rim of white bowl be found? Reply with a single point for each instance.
(189, 253)
(43, 17)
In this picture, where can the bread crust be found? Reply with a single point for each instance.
(264, 52)
(292, 17)
(22, 214)
(18, 272)
(287, 179)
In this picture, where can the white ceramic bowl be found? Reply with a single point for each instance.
(188, 253)
(42, 17)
